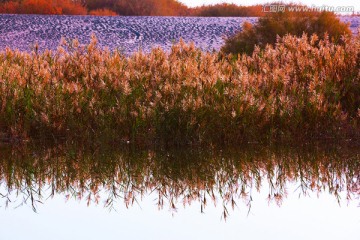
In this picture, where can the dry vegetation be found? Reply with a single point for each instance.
(126, 8)
(301, 88)
(102, 12)
(228, 10)
(271, 26)
(53, 7)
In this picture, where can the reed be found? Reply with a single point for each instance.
(302, 87)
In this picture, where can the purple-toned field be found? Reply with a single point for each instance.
(128, 34)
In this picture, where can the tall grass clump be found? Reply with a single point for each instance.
(302, 87)
(278, 24)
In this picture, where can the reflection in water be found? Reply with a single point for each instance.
(109, 176)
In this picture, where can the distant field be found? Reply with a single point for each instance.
(128, 34)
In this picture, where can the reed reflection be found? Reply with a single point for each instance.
(110, 176)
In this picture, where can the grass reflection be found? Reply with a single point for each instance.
(30, 175)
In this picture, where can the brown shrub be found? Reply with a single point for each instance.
(228, 10)
(43, 7)
(150, 8)
(71, 8)
(9, 7)
(39, 7)
(102, 12)
(268, 28)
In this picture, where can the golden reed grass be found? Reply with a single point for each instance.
(302, 87)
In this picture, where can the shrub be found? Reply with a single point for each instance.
(102, 12)
(227, 10)
(39, 7)
(9, 7)
(269, 27)
(150, 8)
(71, 8)
(43, 7)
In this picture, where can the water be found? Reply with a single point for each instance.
(127, 34)
(70, 191)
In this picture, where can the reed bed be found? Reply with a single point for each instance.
(301, 88)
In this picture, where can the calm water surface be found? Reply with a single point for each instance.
(257, 192)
